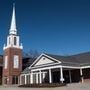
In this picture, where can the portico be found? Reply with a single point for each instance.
(46, 69)
(45, 75)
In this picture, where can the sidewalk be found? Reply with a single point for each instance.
(73, 86)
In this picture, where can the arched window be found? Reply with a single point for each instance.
(16, 61)
(14, 40)
(6, 62)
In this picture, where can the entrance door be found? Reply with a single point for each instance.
(66, 76)
(56, 77)
(15, 80)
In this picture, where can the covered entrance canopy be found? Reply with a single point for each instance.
(49, 68)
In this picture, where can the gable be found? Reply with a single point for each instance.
(43, 60)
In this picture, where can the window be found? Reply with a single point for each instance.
(6, 62)
(14, 40)
(16, 61)
(44, 58)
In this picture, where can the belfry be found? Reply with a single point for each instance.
(12, 55)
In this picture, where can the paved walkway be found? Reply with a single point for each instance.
(74, 86)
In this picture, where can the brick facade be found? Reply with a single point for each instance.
(10, 71)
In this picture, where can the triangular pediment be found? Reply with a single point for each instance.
(44, 60)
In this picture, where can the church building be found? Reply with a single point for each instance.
(12, 58)
(47, 68)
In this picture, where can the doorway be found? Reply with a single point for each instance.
(14, 79)
(56, 77)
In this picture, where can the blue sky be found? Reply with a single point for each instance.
(50, 26)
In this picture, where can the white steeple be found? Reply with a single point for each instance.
(13, 29)
(13, 40)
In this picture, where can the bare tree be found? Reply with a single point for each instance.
(31, 54)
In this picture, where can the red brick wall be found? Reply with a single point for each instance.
(10, 71)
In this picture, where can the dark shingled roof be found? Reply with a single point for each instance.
(27, 61)
(80, 59)
(27, 70)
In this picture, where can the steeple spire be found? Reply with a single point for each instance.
(13, 40)
(13, 29)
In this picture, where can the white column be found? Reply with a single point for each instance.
(40, 77)
(25, 79)
(31, 78)
(70, 78)
(61, 75)
(50, 77)
(81, 73)
(37, 78)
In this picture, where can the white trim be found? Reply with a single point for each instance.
(52, 58)
(45, 68)
(61, 74)
(18, 47)
(46, 56)
(25, 74)
(81, 73)
(71, 67)
(25, 79)
(33, 73)
(50, 76)
(6, 62)
(53, 67)
(37, 78)
(40, 77)
(36, 60)
(31, 78)
(84, 67)
(44, 65)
